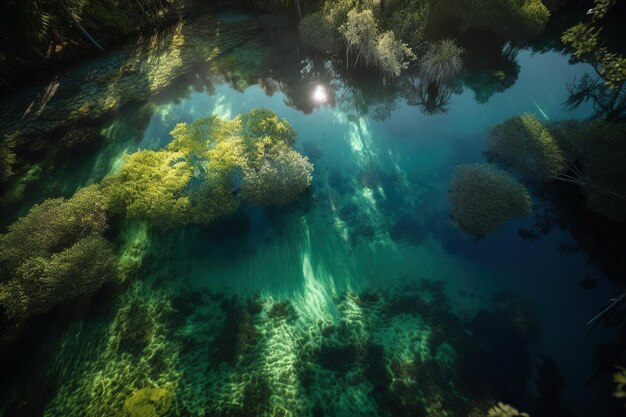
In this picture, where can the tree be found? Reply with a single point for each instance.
(485, 197)
(607, 90)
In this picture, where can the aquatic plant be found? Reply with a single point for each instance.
(315, 31)
(197, 177)
(55, 253)
(148, 402)
(442, 63)
(526, 146)
(619, 378)
(39, 283)
(588, 155)
(53, 226)
(7, 159)
(505, 410)
(278, 179)
(484, 198)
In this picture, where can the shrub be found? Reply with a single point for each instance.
(526, 146)
(393, 55)
(316, 32)
(484, 198)
(360, 32)
(442, 64)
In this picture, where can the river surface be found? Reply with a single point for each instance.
(363, 299)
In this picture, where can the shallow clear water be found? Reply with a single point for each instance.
(380, 283)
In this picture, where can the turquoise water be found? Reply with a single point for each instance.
(363, 299)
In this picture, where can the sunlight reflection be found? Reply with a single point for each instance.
(320, 96)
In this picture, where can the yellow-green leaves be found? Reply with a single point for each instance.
(526, 146)
(197, 177)
(150, 185)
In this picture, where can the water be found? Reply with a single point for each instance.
(362, 299)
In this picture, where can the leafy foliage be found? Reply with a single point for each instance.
(484, 197)
(279, 178)
(55, 253)
(371, 47)
(360, 33)
(505, 410)
(607, 90)
(52, 227)
(526, 146)
(316, 31)
(392, 54)
(198, 176)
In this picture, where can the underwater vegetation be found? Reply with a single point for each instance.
(54, 254)
(209, 167)
(485, 197)
(589, 155)
(58, 251)
(397, 352)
